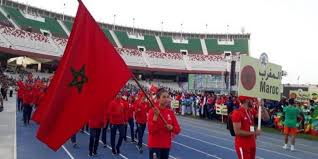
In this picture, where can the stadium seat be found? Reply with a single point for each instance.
(193, 46)
(206, 62)
(147, 41)
(240, 45)
(109, 36)
(61, 42)
(50, 24)
(165, 60)
(27, 41)
(68, 25)
(132, 57)
(4, 20)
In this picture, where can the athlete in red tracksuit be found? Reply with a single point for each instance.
(245, 132)
(130, 118)
(28, 99)
(117, 117)
(106, 124)
(21, 89)
(141, 108)
(95, 126)
(161, 134)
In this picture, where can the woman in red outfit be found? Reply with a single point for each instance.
(95, 126)
(117, 119)
(130, 119)
(141, 108)
(28, 99)
(160, 133)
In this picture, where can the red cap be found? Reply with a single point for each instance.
(244, 98)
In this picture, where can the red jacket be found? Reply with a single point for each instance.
(37, 94)
(159, 136)
(20, 89)
(117, 112)
(246, 118)
(126, 106)
(141, 109)
(28, 97)
(106, 114)
(97, 121)
(130, 111)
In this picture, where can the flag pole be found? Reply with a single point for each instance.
(150, 101)
(259, 115)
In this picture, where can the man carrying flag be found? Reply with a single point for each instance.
(245, 132)
(77, 90)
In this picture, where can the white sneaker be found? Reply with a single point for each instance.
(285, 147)
(292, 148)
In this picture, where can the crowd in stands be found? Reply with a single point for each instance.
(23, 34)
(60, 41)
(200, 57)
(129, 52)
(161, 55)
(6, 23)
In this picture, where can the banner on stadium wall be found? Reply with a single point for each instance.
(174, 104)
(221, 109)
(259, 78)
(301, 95)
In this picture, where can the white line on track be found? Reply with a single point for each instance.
(278, 140)
(260, 141)
(259, 147)
(147, 145)
(100, 141)
(209, 143)
(195, 121)
(214, 156)
(68, 153)
(268, 143)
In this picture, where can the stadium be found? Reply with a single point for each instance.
(201, 74)
(178, 59)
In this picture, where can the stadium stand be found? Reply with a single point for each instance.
(206, 62)
(28, 41)
(4, 21)
(132, 57)
(165, 60)
(240, 45)
(193, 46)
(165, 56)
(68, 24)
(61, 42)
(49, 24)
(109, 36)
(147, 41)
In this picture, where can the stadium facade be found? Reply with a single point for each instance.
(199, 61)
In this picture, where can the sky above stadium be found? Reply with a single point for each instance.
(286, 30)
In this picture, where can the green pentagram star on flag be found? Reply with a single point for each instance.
(79, 78)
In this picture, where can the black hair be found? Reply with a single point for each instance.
(291, 101)
(160, 91)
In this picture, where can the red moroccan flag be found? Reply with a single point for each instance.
(153, 89)
(89, 75)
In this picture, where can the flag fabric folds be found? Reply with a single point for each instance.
(89, 75)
